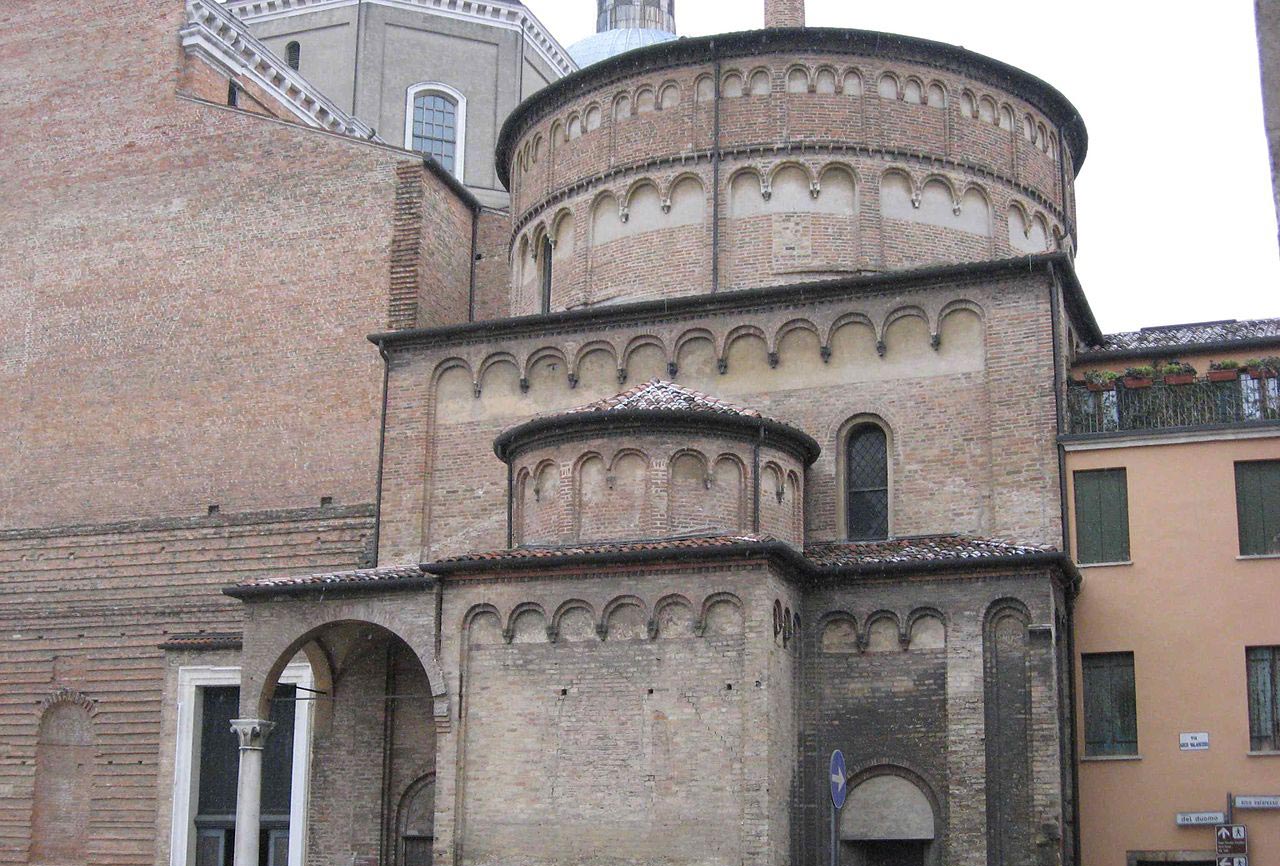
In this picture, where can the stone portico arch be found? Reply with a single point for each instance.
(380, 700)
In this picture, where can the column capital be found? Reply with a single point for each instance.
(252, 733)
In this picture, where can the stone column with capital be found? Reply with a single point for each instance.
(253, 735)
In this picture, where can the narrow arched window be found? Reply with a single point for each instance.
(867, 483)
(545, 255)
(293, 55)
(435, 128)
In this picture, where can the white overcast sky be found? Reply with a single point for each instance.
(1177, 222)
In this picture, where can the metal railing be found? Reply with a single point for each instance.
(1164, 407)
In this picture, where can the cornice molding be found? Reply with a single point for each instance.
(220, 38)
(509, 16)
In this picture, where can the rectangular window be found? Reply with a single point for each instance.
(219, 771)
(1110, 705)
(1264, 698)
(1102, 516)
(1258, 507)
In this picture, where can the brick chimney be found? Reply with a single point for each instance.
(783, 13)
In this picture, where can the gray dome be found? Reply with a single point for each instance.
(602, 46)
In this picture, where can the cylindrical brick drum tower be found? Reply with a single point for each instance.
(780, 156)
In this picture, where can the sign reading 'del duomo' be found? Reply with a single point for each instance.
(1196, 742)
(1200, 819)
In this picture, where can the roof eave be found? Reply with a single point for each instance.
(256, 593)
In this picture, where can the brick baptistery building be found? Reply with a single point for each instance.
(731, 441)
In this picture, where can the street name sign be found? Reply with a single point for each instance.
(1196, 742)
(1231, 839)
(1200, 819)
(1258, 801)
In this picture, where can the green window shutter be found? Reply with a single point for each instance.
(1102, 516)
(1110, 704)
(1263, 665)
(1258, 506)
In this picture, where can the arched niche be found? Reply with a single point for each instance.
(63, 785)
(888, 808)
(415, 822)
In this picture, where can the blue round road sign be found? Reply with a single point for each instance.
(838, 780)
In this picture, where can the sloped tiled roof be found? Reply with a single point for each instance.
(360, 577)
(533, 553)
(663, 396)
(202, 641)
(823, 556)
(1171, 336)
(931, 548)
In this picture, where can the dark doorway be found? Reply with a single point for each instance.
(890, 853)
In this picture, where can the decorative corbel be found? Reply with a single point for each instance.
(553, 633)
(508, 634)
(766, 191)
(524, 384)
(880, 348)
(722, 365)
(623, 213)
(475, 390)
(573, 380)
(610, 479)
(673, 369)
(815, 189)
(955, 207)
(652, 627)
(700, 627)
(780, 493)
(537, 493)
(602, 630)
(773, 359)
(708, 480)
(825, 353)
(666, 205)
(935, 340)
(622, 375)
(915, 198)
(904, 638)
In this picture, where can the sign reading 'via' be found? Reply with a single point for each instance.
(1261, 801)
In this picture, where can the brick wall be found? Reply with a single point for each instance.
(988, 386)
(594, 148)
(85, 608)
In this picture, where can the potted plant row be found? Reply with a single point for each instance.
(1224, 371)
(1101, 380)
(1263, 368)
(1177, 373)
(1139, 377)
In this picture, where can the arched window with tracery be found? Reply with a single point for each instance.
(866, 463)
(293, 55)
(435, 124)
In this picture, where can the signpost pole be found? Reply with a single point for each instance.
(1231, 802)
(835, 845)
(839, 790)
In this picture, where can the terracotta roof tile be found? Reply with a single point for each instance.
(930, 548)
(1163, 336)
(358, 576)
(663, 396)
(203, 641)
(824, 555)
(525, 554)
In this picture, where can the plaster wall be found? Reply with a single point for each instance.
(1187, 607)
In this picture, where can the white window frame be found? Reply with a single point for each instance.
(460, 148)
(186, 764)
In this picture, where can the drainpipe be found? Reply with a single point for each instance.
(471, 291)
(1055, 298)
(382, 450)
(715, 179)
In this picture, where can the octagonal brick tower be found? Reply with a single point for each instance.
(780, 156)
